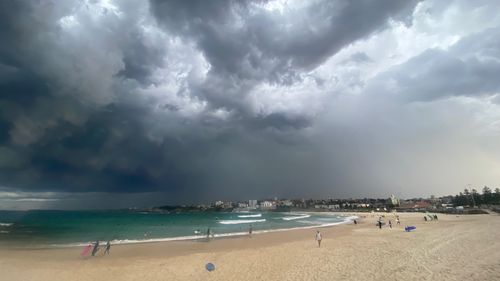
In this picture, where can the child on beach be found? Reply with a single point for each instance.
(318, 238)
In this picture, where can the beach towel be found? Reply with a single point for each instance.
(410, 228)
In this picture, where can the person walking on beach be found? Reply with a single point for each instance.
(398, 221)
(379, 224)
(96, 248)
(108, 246)
(209, 233)
(390, 224)
(318, 238)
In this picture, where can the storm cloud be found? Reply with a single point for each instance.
(190, 101)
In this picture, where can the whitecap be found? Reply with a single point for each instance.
(250, 216)
(240, 221)
(296, 218)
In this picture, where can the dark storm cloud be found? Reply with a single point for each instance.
(246, 44)
(197, 100)
(140, 59)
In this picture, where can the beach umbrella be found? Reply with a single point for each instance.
(210, 266)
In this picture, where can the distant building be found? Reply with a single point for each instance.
(242, 205)
(227, 205)
(252, 204)
(421, 204)
(267, 205)
(393, 200)
(218, 203)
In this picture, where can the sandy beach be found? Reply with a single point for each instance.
(453, 248)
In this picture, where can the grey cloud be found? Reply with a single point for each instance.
(468, 68)
(245, 44)
(114, 106)
(359, 57)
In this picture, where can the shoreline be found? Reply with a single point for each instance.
(194, 238)
(452, 248)
(179, 248)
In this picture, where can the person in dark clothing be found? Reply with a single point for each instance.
(355, 221)
(108, 247)
(436, 217)
(390, 223)
(96, 248)
(425, 218)
(380, 224)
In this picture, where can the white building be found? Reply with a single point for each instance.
(266, 204)
(252, 204)
(394, 201)
(242, 205)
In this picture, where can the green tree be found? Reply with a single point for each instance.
(487, 196)
(460, 200)
(476, 198)
(467, 197)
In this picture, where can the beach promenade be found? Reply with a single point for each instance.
(453, 248)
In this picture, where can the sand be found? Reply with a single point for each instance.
(453, 248)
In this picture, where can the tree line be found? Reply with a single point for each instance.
(474, 198)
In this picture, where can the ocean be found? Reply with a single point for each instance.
(76, 228)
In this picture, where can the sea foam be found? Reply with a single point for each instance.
(346, 220)
(240, 221)
(296, 217)
(250, 216)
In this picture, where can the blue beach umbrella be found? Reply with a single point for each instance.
(210, 266)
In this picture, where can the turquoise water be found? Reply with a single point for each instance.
(72, 228)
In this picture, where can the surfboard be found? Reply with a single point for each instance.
(86, 250)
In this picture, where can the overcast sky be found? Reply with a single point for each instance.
(108, 104)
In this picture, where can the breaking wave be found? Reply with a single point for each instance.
(250, 216)
(296, 217)
(240, 221)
